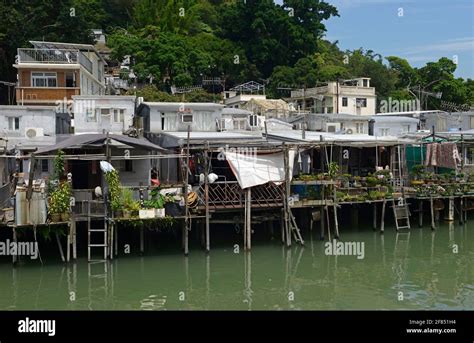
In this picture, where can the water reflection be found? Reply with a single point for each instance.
(420, 263)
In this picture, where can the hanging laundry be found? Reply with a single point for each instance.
(433, 151)
(449, 156)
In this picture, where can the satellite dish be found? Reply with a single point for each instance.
(349, 131)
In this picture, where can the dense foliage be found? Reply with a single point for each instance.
(180, 42)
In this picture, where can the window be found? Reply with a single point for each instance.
(253, 120)
(344, 102)
(442, 124)
(384, 132)
(240, 123)
(70, 80)
(365, 83)
(105, 111)
(44, 166)
(91, 115)
(470, 156)
(13, 123)
(186, 118)
(119, 115)
(41, 79)
(359, 127)
(361, 102)
(472, 122)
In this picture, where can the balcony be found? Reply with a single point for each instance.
(54, 56)
(30, 95)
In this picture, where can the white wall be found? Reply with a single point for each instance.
(352, 108)
(30, 117)
(83, 103)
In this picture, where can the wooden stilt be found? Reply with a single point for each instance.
(382, 220)
(68, 243)
(323, 218)
(420, 213)
(249, 218)
(375, 217)
(336, 223)
(15, 239)
(282, 226)
(461, 214)
(433, 226)
(206, 198)
(328, 222)
(61, 252)
(142, 241)
(74, 238)
(115, 239)
(450, 212)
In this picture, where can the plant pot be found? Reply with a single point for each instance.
(160, 212)
(55, 217)
(146, 214)
(127, 214)
(65, 216)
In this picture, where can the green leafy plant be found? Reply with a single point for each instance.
(113, 180)
(157, 200)
(60, 199)
(58, 165)
(333, 169)
(128, 202)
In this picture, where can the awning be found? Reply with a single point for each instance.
(99, 140)
(252, 169)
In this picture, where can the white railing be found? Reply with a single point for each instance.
(56, 56)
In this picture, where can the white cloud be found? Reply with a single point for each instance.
(453, 46)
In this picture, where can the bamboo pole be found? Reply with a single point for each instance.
(420, 213)
(374, 224)
(323, 218)
(336, 223)
(61, 252)
(15, 239)
(186, 207)
(433, 226)
(249, 218)
(382, 220)
(206, 198)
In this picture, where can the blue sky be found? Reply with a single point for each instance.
(427, 31)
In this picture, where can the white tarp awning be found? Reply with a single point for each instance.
(257, 169)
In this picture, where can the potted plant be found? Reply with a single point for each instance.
(130, 206)
(156, 203)
(115, 193)
(59, 204)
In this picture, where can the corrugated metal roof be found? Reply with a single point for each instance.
(176, 106)
(339, 116)
(80, 141)
(353, 139)
(394, 119)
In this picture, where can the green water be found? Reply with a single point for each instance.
(421, 265)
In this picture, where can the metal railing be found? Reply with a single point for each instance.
(56, 56)
(229, 195)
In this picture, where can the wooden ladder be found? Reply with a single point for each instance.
(295, 229)
(92, 232)
(401, 213)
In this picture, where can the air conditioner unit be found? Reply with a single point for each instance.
(32, 132)
(333, 127)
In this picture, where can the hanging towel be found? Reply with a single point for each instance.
(433, 151)
(449, 156)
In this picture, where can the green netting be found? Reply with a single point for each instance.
(416, 155)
